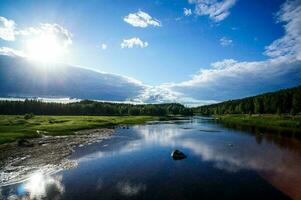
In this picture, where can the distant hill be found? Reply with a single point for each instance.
(283, 101)
(21, 77)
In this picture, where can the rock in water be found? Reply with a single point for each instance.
(178, 155)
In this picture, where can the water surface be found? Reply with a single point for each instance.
(221, 163)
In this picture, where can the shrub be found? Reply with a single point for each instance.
(28, 116)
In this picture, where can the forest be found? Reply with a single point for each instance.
(286, 101)
(87, 107)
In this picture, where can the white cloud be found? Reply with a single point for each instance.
(224, 64)
(93, 84)
(45, 40)
(103, 46)
(290, 43)
(11, 52)
(229, 78)
(9, 32)
(157, 94)
(7, 29)
(130, 43)
(62, 35)
(225, 41)
(216, 10)
(187, 12)
(141, 19)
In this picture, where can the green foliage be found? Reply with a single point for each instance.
(266, 121)
(88, 107)
(287, 101)
(14, 127)
(28, 116)
(296, 103)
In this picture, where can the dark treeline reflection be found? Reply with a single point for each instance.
(283, 101)
(87, 107)
(287, 139)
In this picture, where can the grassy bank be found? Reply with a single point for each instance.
(266, 121)
(13, 127)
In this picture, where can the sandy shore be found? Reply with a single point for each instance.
(47, 153)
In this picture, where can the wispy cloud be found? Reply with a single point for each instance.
(7, 29)
(141, 19)
(135, 41)
(225, 41)
(216, 10)
(187, 12)
(290, 43)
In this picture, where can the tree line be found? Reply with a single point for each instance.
(87, 107)
(286, 101)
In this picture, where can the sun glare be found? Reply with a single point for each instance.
(44, 48)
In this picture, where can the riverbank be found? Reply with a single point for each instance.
(17, 127)
(291, 123)
(44, 143)
(47, 154)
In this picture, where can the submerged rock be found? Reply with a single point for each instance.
(178, 155)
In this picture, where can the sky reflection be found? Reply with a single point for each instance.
(38, 187)
(136, 162)
(279, 166)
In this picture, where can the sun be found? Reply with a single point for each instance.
(44, 48)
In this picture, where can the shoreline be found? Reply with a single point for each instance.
(18, 127)
(289, 124)
(46, 142)
(48, 154)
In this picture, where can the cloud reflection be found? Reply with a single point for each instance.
(39, 186)
(130, 189)
(277, 164)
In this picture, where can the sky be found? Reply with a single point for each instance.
(195, 51)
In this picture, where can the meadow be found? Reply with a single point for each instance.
(13, 127)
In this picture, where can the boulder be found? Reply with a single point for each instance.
(178, 155)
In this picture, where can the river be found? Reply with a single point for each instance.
(135, 163)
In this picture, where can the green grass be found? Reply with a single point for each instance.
(13, 127)
(267, 121)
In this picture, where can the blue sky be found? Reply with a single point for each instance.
(175, 52)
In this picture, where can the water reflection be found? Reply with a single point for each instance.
(136, 164)
(276, 159)
(127, 188)
(145, 136)
(38, 186)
